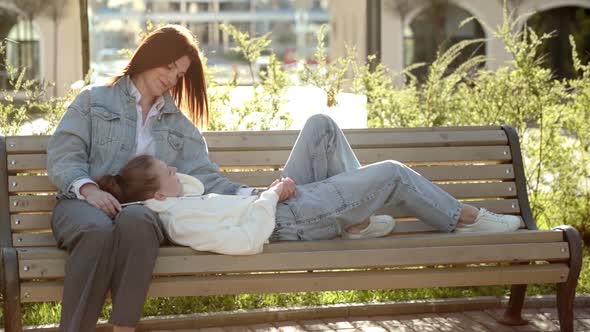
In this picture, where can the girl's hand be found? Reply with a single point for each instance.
(101, 199)
(277, 187)
(289, 189)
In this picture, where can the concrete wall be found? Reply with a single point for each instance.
(61, 47)
(348, 27)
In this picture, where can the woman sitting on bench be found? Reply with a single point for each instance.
(333, 193)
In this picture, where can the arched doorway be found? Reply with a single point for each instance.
(563, 21)
(8, 18)
(437, 27)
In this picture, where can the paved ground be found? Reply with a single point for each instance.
(543, 319)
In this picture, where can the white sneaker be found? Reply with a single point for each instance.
(378, 226)
(490, 222)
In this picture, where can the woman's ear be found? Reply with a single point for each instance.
(158, 196)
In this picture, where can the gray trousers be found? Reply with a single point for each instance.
(334, 192)
(104, 254)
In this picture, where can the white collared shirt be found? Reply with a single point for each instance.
(143, 135)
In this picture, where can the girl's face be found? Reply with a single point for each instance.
(169, 184)
(161, 79)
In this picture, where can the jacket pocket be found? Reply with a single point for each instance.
(105, 125)
(175, 140)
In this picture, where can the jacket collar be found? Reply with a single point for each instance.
(125, 85)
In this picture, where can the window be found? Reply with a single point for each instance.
(234, 6)
(174, 6)
(197, 7)
(157, 6)
(201, 30)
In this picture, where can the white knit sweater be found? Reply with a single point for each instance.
(225, 224)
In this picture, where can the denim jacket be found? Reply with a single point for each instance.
(96, 136)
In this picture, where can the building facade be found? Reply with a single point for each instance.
(411, 29)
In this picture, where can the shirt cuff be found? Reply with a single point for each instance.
(245, 191)
(76, 185)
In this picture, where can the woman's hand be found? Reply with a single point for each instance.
(288, 190)
(100, 199)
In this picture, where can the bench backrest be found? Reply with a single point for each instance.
(479, 165)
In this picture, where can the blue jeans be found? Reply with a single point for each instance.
(335, 192)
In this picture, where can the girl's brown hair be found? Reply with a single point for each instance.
(162, 47)
(137, 181)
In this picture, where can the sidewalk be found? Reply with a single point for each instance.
(543, 319)
(455, 314)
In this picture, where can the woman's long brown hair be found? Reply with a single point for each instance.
(164, 46)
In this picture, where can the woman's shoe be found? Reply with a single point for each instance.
(490, 222)
(378, 226)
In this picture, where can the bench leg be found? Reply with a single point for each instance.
(11, 291)
(566, 291)
(512, 315)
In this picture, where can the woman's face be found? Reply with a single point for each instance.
(160, 79)
(169, 183)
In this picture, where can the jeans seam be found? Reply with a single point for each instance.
(314, 154)
(454, 216)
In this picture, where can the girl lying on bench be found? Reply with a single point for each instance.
(324, 194)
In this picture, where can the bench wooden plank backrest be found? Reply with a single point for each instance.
(474, 164)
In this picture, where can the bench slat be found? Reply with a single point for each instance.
(46, 238)
(327, 260)
(34, 183)
(42, 222)
(46, 203)
(329, 281)
(366, 139)
(397, 241)
(367, 156)
(498, 154)
(286, 139)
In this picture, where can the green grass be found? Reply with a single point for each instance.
(48, 313)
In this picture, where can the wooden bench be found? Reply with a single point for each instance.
(479, 165)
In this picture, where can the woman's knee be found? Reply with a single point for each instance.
(319, 122)
(136, 221)
(95, 231)
(393, 167)
(94, 237)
